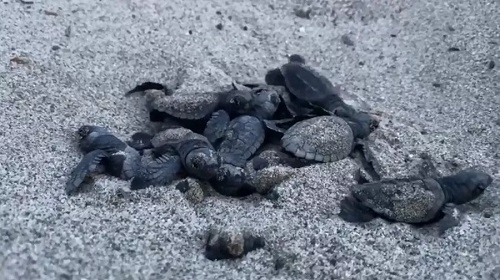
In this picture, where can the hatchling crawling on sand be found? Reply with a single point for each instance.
(308, 86)
(193, 110)
(417, 201)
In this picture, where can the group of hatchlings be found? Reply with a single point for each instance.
(225, 139)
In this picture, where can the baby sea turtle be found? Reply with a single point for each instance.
(289, 106)
(158, 170)
(197, 154)
(308, 85)
(236, 141)
(324, 138)
(414, 200)
(103, 152)
(231, 244)
(239, 138)
(193, 110)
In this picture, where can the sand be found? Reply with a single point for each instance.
(68, 63)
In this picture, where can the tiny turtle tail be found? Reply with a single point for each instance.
(352, 211)
(464, 186)
(147, 86)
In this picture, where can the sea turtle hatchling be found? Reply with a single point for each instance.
(104, 152)
(236, 141)
(239, 138)
(414, 200)
(197, 154)
(308, 85)
(193, 110)
(325, 138)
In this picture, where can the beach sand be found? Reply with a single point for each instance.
(68, 63)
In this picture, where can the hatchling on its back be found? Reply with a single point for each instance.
(326, 138)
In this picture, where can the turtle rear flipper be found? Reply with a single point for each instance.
(216, 126)
(161, 171)
(351, 210)
(90, 163)
(148, 86)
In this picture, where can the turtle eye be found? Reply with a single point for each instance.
(238, 100)
(83, 132)
(197, 163)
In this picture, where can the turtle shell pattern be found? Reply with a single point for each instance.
(402, 200)
(194, 106)
(323, 139)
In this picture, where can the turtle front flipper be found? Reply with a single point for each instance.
(161, 171)
(148, 86)
(363, 155)
(353, 211)
(90, 163)
(216, 127)
(450, 218)
(464, 186)
(140, 141)
(244, 135)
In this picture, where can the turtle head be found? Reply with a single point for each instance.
(361, 124)
(265, 102)
(465, 186)
(239, 102)
(203, 163)
(296, 58)
(85, 130)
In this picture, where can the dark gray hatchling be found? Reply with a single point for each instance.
(193, 110)
(308, 86)
(158, 169)
(105, 153)
(199, 158)
(236, 141)
(417, 201)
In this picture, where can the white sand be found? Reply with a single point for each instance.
(157, 234)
